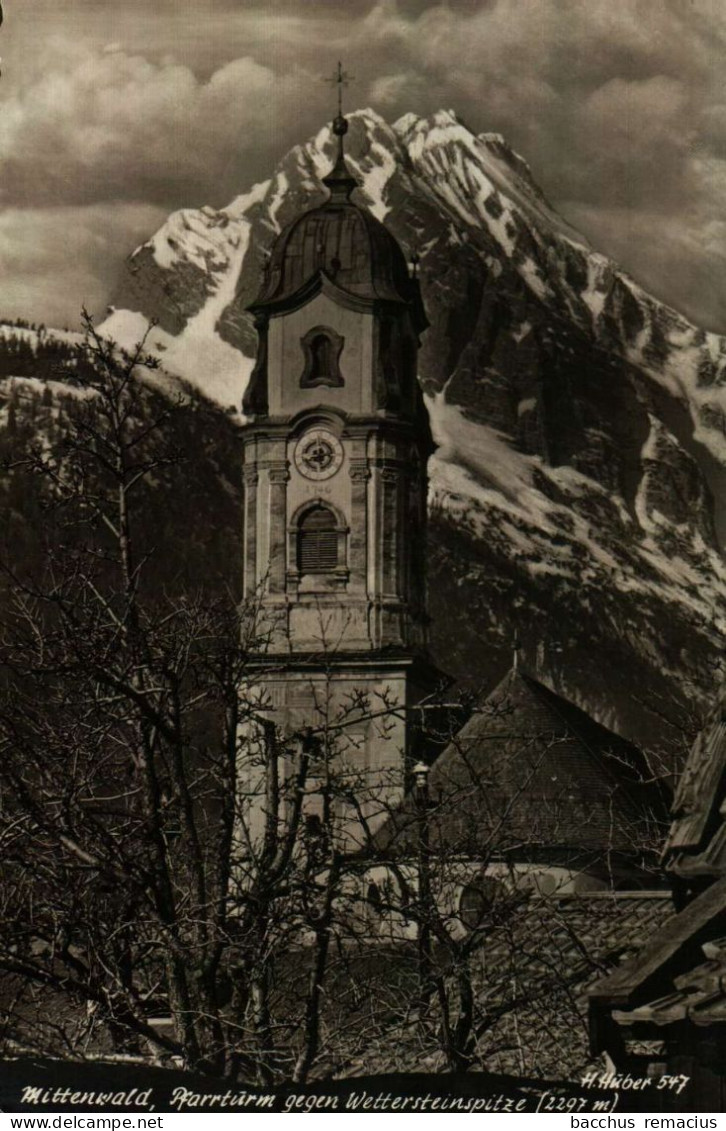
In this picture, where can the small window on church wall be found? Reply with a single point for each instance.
(317, 542)
(481, 903)
(374, 898)
(322, 348)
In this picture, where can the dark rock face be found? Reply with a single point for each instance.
(581, 424)
(167, 297)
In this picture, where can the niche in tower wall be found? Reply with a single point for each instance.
(322, 348)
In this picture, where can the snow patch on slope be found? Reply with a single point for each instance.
(594, 294)
(197, 236)
(490, 154)
(282, 185)
(35, 337)
(241, 204)
(200, 355)
(33, 387)
(376, 179)
(489, 488)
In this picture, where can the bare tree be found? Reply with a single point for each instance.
(480, 911)
(127, 925)
(165, 887)
(183, 880)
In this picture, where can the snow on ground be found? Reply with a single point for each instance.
(34, 387)
(199, 354)
(706, 403)
(405, 123)
(206, 237)
(716, 347)
(128, 328)
(680, 372)
(8, 332)
(648, 518)
(501, 225)
(450, 185)
(521, 332)
(477, 448)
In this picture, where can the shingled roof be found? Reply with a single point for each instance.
(530, 975)
(543, 962)
(664, 948)
(531, 772)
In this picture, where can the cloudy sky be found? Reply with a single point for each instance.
(115, 112)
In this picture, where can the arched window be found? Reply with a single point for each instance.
(322, 348)
(317, 541)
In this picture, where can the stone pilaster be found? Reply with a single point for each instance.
(358, 556)
(391, 533)
(251, 478)
(278, 476)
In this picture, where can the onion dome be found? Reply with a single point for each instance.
(340, 246)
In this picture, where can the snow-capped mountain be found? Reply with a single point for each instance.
(581, 423)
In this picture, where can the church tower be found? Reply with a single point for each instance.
(335, 452)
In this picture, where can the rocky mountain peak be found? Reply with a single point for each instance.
(581, 423)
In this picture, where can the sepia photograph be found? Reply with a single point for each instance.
(362, 577)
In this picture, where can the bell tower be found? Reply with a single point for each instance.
(335, 452)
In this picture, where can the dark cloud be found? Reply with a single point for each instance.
(106, 125)
(616, 104)
(55, 260)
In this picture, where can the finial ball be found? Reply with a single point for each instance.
(340, 126)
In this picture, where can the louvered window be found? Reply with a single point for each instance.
(318, 542)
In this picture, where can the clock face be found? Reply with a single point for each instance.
(318, 454)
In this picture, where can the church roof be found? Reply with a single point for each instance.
(339, 244)
(544, 962)
(531, 772)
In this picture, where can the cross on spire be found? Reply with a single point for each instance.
(339, 181)
(340, 78)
